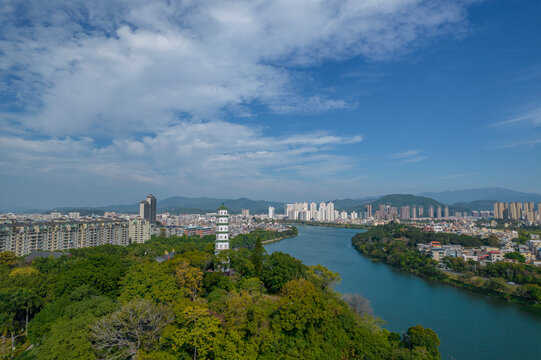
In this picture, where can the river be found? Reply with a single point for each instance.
(469, 325)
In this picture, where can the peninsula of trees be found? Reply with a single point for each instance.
(396, 245)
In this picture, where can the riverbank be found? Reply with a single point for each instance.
(470, 326)
(248, 240)
(393, 246)
(274, 240)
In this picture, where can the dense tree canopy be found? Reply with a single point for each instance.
(120, 303)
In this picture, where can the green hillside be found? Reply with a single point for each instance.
(406, 199)
(479, 205)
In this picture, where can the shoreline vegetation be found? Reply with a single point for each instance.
(113, 302)
(395, 245)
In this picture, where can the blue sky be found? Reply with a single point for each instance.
(103, 102)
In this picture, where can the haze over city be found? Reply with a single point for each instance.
(104, 101)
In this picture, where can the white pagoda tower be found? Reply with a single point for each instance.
(222, 230)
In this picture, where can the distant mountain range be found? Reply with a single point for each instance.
(493, 194)
(186, 205)
(460, 200)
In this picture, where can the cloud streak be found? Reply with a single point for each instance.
(531, 118)
(408, 157)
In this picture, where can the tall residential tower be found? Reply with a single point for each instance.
(147, 209)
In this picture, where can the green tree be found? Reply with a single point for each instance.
(150, 280)
(301, 306)
(257, 257)
(516, 256)
(530, 292)
(420, 337)
(493, 241)
(189, 278)
(322, 276)
(197, 330)
(62, 328)
(279, 268)
(8, 258)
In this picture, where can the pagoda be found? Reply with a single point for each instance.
(222, 230)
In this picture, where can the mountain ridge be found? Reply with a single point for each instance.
(477, 194)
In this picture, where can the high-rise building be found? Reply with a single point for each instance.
(222, 230)
(330, 211)
(438, 212)
(271, 212)
(246, 213)
(368, 211)
(304, 215)
(56, 215)
(446, 212)
(147, 209)
(144, 209)
(421, 211)
(404, 212)
(414, 212)
(152, 202)
(289, 208)
(313, 210)
(431, 211)
(323, 211)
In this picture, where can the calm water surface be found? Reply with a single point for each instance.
(469, 325)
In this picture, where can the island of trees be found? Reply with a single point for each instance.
(112, 302)
(396, 244)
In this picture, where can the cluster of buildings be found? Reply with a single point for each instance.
(517, 211)
(25, 237)
(309, 212)
(326, 212)
(485, 254)
(27, 233)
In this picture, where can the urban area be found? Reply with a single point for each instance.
(27, 233)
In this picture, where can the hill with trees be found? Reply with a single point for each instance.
(493, 194)
(112, 302)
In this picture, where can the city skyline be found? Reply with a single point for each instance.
(100, 104)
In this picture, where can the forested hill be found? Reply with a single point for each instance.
(113, 302)
(492, 194)
(186, 205)
(405, 200)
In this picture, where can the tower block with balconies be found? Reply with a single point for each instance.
(222, 230)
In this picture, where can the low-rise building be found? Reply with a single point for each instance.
(494, 256)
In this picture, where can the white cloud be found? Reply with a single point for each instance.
(528, 118)
(153, 79)
(128, 66)
(518, 144)
(195, 153)
(410, 156)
